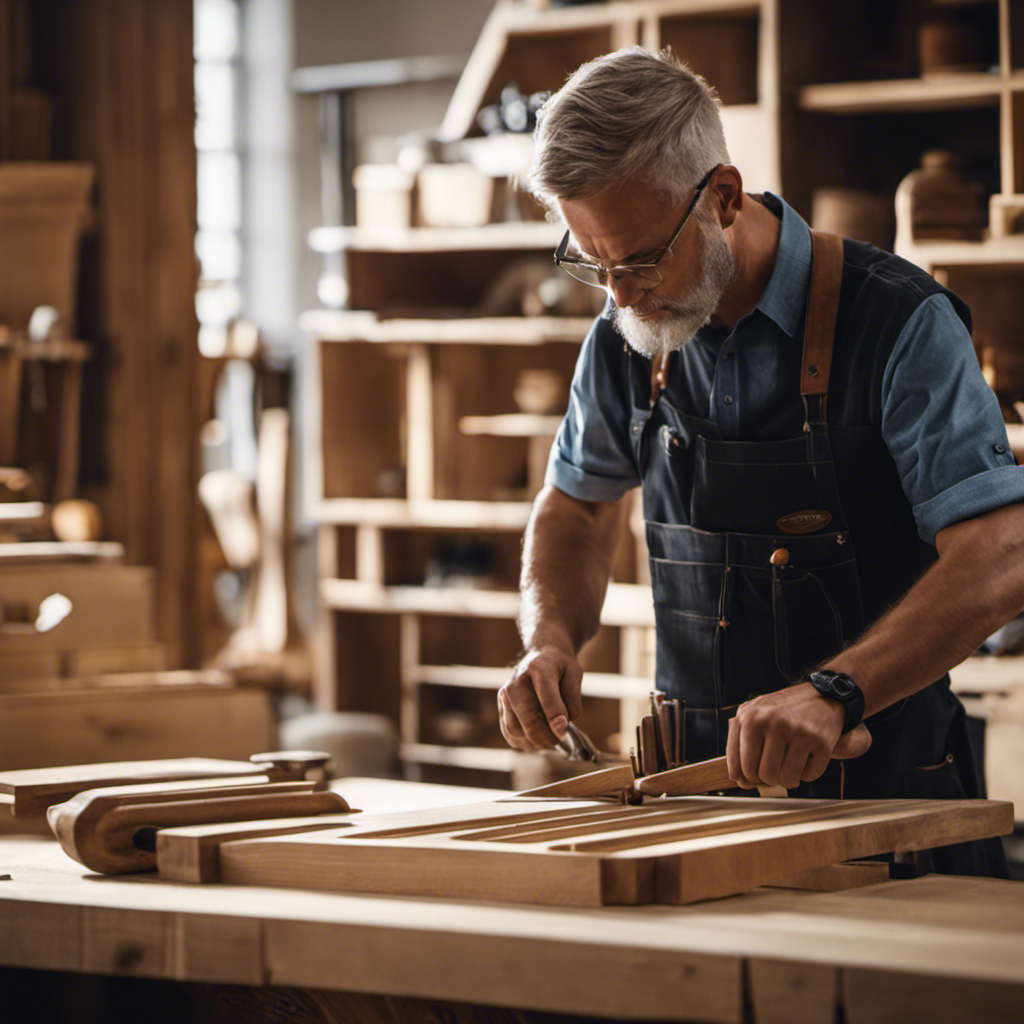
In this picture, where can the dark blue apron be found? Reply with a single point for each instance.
(731, 625)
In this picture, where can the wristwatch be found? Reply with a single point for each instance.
(840, 687)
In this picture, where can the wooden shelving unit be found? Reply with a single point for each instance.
(467, 465)
(422, 442)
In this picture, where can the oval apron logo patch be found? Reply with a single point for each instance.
(805, 522)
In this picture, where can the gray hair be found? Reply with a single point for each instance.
(632, 114)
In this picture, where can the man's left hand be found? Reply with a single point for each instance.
(788, 737)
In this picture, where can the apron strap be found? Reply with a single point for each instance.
(820, 323)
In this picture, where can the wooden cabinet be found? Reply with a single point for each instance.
(426, 464)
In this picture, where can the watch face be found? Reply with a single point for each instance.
(842, 685)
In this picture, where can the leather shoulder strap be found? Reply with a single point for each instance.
(822, 309)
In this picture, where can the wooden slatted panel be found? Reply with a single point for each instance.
(587, 854)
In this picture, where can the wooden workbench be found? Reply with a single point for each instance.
(935, 948)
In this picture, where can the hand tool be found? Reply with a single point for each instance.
(657, 764)
(578, 746)
(114, 830)
(659, 744)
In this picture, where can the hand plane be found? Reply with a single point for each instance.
(112, 817)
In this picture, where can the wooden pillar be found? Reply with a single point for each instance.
(122, 73)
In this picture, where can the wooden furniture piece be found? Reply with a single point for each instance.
(110, 627)
(936, 948)
(431, 404)
(579, 853)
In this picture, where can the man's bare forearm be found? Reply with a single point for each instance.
(567, 555)
(976, 586)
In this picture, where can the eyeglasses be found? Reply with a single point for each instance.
(642, 275)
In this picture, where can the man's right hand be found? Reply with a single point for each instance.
(536, 705)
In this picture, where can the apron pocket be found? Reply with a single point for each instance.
(742, 487)
(686, 655)
(691, 587)
(808, 625)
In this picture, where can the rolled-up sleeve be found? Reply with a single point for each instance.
(942, 423)
(592, 458)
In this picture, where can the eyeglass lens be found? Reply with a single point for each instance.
(646, 276)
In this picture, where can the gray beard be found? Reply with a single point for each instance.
(686, 315)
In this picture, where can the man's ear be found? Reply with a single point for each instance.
(727, 196)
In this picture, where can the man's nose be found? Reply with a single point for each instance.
(624, 289)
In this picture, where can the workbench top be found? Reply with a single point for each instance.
(937, 947)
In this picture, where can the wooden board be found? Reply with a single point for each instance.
(191, 853)
(672, 851)
(133, 723)
(35, 789)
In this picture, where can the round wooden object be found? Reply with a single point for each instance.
(780, 556)
(76, 520)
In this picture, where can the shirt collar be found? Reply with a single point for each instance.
(785, 298)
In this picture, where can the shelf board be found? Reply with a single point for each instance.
(62, 551)
(511, 425)
(511, 235)
(54, 350)
(339, 325)
(521, 18)
(595, 684)
(21, 513)
(399, 514)
(488, 759)
(984, 675)
(626, 604)
(939, 92)
(1005, 251)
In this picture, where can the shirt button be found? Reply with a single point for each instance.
(726, 355)
(636, 428)
(727, 399)
(1000, 448)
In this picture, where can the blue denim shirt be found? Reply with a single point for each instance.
(940, 420)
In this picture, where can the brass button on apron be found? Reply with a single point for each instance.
(780, 556)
